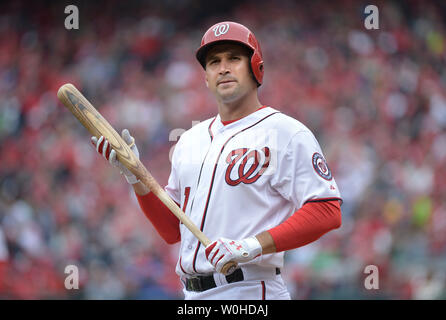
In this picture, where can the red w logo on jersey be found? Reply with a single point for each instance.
(239, 158)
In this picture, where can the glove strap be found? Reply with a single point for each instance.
(132, 179)
(254, 245)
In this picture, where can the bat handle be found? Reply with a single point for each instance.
(229, 268)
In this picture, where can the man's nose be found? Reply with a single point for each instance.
(224, 66)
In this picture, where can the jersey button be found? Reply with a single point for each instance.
(189, 247)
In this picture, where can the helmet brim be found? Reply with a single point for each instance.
(203, 50)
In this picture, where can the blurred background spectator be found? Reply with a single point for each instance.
(375, 99)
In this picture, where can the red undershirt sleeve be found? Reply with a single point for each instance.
(306, 225)
(164, 221)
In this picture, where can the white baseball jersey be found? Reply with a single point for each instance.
(238, 180)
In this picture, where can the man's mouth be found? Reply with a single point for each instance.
(225, 81)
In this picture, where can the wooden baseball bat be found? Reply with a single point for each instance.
(98, 126)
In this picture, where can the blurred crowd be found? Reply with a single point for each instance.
(375, 99)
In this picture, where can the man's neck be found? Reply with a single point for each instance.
(238, 109)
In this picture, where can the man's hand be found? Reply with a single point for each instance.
(224, 250)
(104, 148)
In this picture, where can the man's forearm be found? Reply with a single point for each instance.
(306, 225)
(164, 221)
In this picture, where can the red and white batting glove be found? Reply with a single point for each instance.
(104, 148)
(224, 250)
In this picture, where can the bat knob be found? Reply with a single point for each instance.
(229, 268)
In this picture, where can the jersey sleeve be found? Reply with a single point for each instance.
(173, 185)
(306, 225)
(303, 174)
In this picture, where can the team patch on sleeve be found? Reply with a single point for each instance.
(321, 167)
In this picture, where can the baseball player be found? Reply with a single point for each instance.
(253, 179)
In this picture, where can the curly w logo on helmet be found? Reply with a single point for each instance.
(220, 29)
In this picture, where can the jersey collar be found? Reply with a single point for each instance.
(218, 126)
(225, 123)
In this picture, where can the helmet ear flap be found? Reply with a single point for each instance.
(257, 67)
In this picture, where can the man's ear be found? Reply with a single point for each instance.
(206, 80)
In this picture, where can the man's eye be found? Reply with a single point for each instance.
(235, 58)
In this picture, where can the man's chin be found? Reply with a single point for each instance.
(228, 94)
(229, 98)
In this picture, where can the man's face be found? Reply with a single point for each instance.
(228, 74)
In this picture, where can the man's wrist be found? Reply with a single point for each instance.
(140, 189)
(267, 242)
